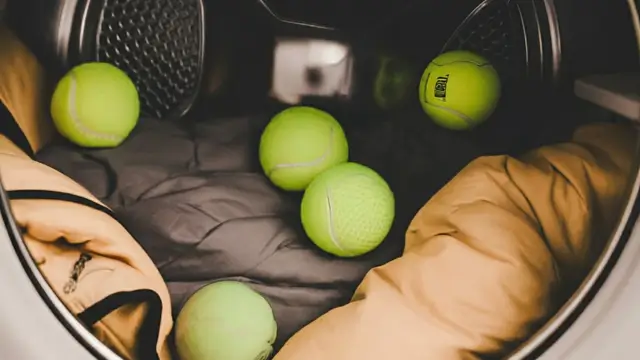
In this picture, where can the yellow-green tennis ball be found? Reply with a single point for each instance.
(95, 105)
(225, 320)
(348, 210)
(298, 144)
(392, 83)
(459, 90)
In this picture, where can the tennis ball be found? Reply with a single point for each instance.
(225, 320)
(393, 83)
(459, 90)
(95, 105)
(298, 144)
(348, 210)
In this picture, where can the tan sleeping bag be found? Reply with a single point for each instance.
(486, 259)
(92, 263)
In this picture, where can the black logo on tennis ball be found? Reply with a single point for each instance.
(440, 90)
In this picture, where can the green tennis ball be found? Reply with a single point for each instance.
(393, 82)
(459, 90)
(95, 105)
(298, 144)
(225, 320)
(348, 210)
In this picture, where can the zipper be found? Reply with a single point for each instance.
(78, 267)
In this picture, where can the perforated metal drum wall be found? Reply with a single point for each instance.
(493, 31)
(159, 43)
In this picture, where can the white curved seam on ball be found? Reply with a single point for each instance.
(478, 64)
(314, 162)
(76, 120)
(332, 232)
(464, 117)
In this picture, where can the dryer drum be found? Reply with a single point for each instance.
(514, 36)
(159, 43)
(493, 31)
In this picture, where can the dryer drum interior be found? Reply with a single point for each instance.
(159, 44)
(189, 188)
